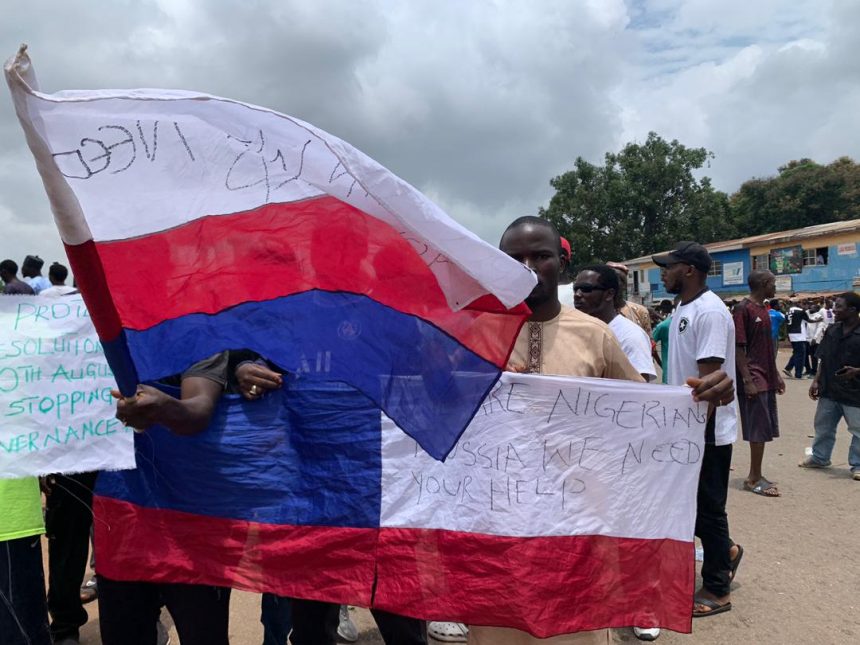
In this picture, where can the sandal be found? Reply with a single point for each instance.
(762, 487)
(736, 562)
(713, 607)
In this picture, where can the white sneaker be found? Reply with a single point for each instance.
(448, 632)
(346, 629)
(646, 633)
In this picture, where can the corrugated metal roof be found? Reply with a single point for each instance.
(831, 228)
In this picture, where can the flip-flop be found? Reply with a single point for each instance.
(761, 487)
(736, 562)
(713, 607)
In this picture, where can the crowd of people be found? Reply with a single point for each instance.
(727, 356)
(34, 283)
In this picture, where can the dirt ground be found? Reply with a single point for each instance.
(800, 577)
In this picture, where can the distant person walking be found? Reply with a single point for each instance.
(796, 320)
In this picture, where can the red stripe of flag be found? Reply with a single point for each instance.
(214, 263)
(331, 564)
(543, 585)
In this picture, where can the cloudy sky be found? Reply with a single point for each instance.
(479, 103)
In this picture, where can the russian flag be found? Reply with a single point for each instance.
(574, 525)
(196, 224)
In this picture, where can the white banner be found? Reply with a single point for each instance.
(557, 456)
(56, 410)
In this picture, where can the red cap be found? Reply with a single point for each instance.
(565, 245)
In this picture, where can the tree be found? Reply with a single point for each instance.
(641, 201)
(804, 193)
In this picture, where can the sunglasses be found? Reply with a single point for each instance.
(588, 288)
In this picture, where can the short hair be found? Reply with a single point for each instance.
(58, 272)
(34, 261)
(851, 299)
(532, 220)
(757, 277)
(606, 276)
(9, 266)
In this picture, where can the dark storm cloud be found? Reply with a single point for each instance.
(478, 104)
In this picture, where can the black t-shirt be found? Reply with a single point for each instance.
(837, 351)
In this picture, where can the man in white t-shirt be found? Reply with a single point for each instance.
(57, 274)
(595, 292)
(702, 340)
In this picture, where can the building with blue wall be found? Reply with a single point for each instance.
(817, 260)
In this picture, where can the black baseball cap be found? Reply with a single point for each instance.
(691, 253)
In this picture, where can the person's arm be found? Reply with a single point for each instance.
(742, 365)
(712, 381)
(185, 416)
(815, 386)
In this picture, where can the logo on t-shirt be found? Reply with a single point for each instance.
(349, 329)
(682, 326)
